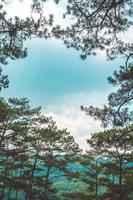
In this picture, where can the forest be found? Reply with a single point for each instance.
(38, 160)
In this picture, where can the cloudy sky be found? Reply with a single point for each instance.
(57, 79)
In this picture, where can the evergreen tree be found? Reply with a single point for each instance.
(117, 159)
(118, 111)
(33, 152)
(97, 25)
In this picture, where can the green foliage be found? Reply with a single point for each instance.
(107, 168)
(116, 144)
(118, 111)
(14, 31)
(97, 24)
(3, 80)
(33, 152)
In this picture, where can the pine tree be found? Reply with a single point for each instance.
(33, 152)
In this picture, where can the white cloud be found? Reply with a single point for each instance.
(23, 9)
(18, 8)
(77, 123)
(127, 36)
(67, 114)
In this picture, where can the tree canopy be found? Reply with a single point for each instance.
(34, 153)
(98, 26)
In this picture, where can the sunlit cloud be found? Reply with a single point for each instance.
(77, 123)
(67, 114)
(23, 9)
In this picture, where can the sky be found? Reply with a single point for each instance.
(56, 79)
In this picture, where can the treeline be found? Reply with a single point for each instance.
(32, 149)
(34, 154)
(107, 168)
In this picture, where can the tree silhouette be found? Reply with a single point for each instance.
(98, 24)
(33, 152)
(106, 168)
(118, 155)
(118, 111)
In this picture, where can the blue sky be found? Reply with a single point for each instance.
(57, 79)
(51, 71)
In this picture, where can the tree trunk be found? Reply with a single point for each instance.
(32, 178)
(9, 191)
(96, 186)
(17, 189)
(120, 180)
(45, 194)
(5, 176)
